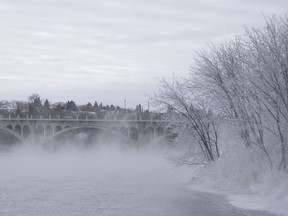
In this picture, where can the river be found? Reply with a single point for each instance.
(104, 182)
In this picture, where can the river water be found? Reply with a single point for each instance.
(102, 182)
(97, 182)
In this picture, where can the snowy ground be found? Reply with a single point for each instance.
(270, 195)
(279, 207)
(245, 179)
(270, 203)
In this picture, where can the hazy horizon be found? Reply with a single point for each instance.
(111, 51)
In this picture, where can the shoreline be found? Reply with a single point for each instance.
(249, 202)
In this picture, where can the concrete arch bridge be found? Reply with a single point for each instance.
(23, 129)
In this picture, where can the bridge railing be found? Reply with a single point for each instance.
(77, 119)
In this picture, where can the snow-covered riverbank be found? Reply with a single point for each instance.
(270, 203)
(270, 196)
(265, 203)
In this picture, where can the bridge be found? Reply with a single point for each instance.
(49, 129)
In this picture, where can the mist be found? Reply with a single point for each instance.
(33, 159)
(102, 180)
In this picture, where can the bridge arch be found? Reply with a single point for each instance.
(159, 132)
(149, 134)
(104, 134)
(18, 129)
(149, 131)
(13, 134)
(48, 130)
(72, 130)
(133, 133)
(10, 127)
(39, 131)
(26, 131)
(57, 129)
(124, 131)
(114, 129)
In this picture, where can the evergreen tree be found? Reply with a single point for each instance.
(18, 111)
(35, 104)
(101, 106)
(71, 106)
(96, 107)
(46, 107)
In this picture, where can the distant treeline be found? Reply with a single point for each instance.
(36, 107)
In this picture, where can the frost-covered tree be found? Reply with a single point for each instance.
(268, 63)
(245, 83)
(189, 117)
(222, 77)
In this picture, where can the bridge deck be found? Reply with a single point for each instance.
(84, 120)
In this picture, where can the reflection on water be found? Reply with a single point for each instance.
(96, 182)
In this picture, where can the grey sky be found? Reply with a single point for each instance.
(111, 50)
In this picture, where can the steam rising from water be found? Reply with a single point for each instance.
(36, 161)
(99, 181)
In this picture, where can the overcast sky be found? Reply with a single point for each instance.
(111, 50)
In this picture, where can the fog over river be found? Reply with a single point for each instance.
(103, 181)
